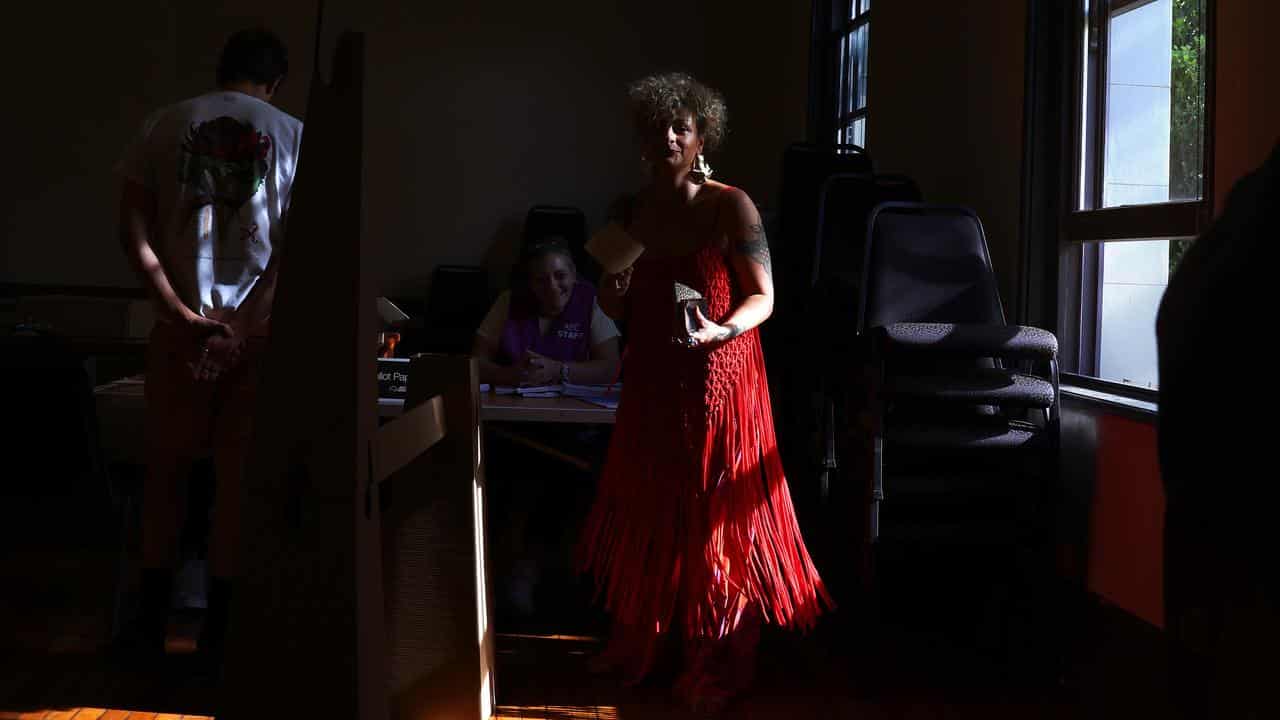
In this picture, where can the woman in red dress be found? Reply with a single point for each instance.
(693, 532)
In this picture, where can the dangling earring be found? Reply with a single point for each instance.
(701, 171)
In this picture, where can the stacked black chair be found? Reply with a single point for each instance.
(457, 302)
(570, 223)
(846, 202)
(787, 339)
(806, 168)
(963, 415)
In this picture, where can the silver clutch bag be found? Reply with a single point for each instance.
(686, 320)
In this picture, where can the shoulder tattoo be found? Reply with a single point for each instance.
(756, 247)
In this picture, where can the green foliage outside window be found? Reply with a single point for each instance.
(1186, 132)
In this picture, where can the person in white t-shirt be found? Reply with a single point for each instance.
(206, 189)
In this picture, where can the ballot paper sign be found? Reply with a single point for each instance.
(614, 248)
(393, 377)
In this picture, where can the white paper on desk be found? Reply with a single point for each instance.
(604, 401)
(529, 391)
(592, 391)
(538, 391)
(614, 248)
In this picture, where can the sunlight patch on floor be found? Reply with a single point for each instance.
(567, 638)
(85, 713)
(555, 712)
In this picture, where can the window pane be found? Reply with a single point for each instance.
(1087, 59)
(854, 71)
(1155, 104)
(856, 132)
(844, 106)
(1134, 277)
(864, 34)
(866, 5)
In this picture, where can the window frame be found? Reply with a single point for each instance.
(1084, 225)
(831, 24)
(852, 18)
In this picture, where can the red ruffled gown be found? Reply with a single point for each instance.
(693, 527)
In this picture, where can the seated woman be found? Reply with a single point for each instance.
(548, 328)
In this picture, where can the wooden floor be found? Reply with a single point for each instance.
(96, 714)
(914, 666)
(546, 678)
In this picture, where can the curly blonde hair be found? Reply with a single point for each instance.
(657, 100)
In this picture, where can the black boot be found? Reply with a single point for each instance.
(213, 631)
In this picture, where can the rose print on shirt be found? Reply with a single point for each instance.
(223, 163)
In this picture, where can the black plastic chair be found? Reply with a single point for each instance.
(806, 168)
(962, 418)
(845, 206)
(787, 344)
(456, 304)
(951, 374)
(570, 223)
(65, 522)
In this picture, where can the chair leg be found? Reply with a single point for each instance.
(829, 463)
(877, 488)
(120, 603)
(872, 586)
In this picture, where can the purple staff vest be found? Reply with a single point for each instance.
(568, 337)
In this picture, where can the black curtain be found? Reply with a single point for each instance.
(824, 71)
(1047, 118)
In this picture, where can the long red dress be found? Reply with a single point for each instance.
(693, 526)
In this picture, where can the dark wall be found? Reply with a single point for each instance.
(474, 111)
(1247, 107)
(945, 102)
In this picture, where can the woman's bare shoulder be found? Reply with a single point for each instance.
(734, 207)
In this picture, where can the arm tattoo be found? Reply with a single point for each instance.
(731, 331)
(756, 247)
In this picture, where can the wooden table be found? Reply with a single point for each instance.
(120, 406)
(513, 408)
